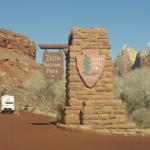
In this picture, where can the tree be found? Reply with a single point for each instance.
(86, 64)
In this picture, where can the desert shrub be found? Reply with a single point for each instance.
(134, 90)
(2, 92)
(35, 82)
(46, 92)
(142, 117)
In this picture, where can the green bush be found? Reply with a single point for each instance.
(134, 90)
(142, 117)
(35, 82)
(47, 93)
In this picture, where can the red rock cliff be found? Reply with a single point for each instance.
(17, 59)
(11, 40)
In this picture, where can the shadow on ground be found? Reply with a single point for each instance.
(43, 123)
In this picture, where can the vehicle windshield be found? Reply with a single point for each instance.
(8, 102)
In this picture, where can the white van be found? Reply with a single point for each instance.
(7, 103)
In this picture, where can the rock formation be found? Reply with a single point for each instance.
(143, 58)
(146, 62)
(124, 61)
(130, 59)
(11, 40)
(17, 59)
(139, 60)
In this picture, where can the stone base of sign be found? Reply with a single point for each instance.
(99, 115)
(111, 131)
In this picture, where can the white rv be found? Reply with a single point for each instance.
(7, 103)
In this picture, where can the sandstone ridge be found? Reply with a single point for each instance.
(11, 40)
(17, 59)
(129, 59)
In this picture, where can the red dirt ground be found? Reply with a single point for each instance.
(33, 132)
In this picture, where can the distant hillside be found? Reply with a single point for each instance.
(146, 62)
(143, 58)
(125, 60)
(129, 59)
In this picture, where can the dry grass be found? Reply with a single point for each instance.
(46, 113)
(145, 131)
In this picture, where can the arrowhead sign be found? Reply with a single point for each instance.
(90, 65)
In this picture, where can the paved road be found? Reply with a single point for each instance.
(33, 132)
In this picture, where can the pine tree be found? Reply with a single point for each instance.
(86, 64)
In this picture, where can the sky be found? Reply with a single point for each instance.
(50, 21)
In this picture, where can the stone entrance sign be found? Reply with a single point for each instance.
(53, 64)
(90, 66)
(90, 102)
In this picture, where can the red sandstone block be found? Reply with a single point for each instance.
(72, 112)
(73, 107)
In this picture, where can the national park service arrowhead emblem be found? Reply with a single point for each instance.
(90, 65)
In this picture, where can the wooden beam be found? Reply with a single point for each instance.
(53, 46)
